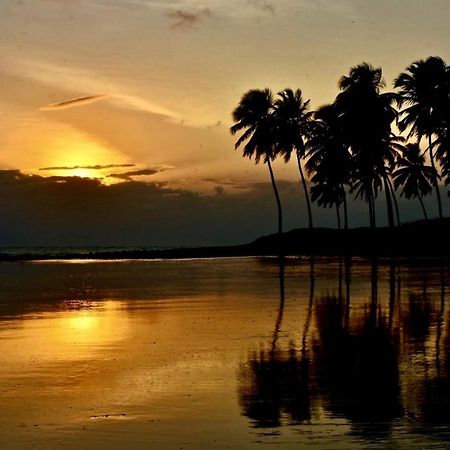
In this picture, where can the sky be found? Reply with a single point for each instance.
(140, 92)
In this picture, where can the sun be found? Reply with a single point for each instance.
(78, 154)
(82, 173)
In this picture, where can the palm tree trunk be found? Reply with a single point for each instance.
(374, 215)
(394, 198)
(344, 197)
(436, 185)
(338, 216)
(308, 203)
(277, 197)
(423, 207)
(390, 211)
(372, 209)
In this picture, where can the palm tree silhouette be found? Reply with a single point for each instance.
(415, 178)
(443, 152)
(329, 161)
(366, 115)
(424, 93)
(292, 123)
(254, 115)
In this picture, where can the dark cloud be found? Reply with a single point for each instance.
(263, 5)
(135, 173)
(74, 211)
(230, 183)
(73, 102)
(96, 167)
(187, 20)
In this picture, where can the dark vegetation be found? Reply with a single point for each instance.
(367, 142)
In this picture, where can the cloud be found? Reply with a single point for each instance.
(96, 167)
(75, 211)
(85, 80)
(186, 20)
(79, 101)
(128, 176)
(233, 184)
(63, 211)
(263, 5)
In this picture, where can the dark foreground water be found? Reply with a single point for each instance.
(224, 353)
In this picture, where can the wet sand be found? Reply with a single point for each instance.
(223, 353)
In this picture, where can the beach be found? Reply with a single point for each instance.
(223, 353)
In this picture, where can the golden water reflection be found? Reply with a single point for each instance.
(229, 353)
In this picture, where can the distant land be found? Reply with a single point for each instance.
(415, 239)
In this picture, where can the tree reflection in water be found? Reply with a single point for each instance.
(275, 383)
(374, 365)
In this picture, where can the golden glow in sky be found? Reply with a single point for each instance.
(153, 84)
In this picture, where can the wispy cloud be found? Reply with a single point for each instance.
(78, 101)
(95, 167)
(185, 20)
(263, 5)
(128, 176)
(85, 80)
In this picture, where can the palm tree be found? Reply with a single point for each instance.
(443, 153)
(415, 178)
(424, 93)
(365, 116)
(254, 115)
(329, 161)
(327, 194)
(292, 122)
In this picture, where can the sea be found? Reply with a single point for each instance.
(224, 353)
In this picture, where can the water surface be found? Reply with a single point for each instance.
(224, 353)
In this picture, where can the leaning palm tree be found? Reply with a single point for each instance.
(292, 121)
(254, 115)
(424, 93)
(443, 153)
(413, 176)
(365, 116)
(328, 161)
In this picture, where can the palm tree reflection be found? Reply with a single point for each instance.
(369, 364)
(275, 384)
(434, 404)
(358, 367)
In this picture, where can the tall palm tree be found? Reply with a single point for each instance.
(366, 115)
(424, 93)
(293, 117)
(328, 161)
(413, 176)
(443, 152)
(254, 115)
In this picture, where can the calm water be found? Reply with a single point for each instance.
(224, 353)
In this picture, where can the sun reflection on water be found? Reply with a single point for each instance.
(84, 321)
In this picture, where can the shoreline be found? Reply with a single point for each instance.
(413, 240)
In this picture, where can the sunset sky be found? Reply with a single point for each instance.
(143, 90)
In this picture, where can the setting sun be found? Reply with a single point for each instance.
(71, 153)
